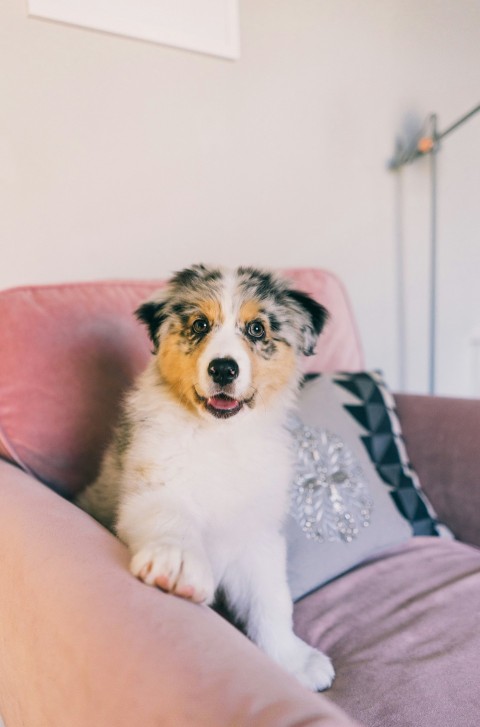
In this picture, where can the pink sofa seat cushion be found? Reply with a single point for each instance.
(403, 632)
(70, 351)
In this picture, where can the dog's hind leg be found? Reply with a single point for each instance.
(257, 592)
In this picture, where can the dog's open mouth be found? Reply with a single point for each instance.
(223, 406)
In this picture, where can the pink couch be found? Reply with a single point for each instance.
(84, 643)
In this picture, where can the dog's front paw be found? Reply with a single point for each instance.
(183, 572)
(311, 667)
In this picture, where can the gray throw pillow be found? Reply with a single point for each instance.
(354, 492)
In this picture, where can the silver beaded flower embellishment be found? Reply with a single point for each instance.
(330, 497)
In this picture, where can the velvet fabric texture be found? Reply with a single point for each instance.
(70, 351)
(442, 437)
(404, 634)
(84, 644)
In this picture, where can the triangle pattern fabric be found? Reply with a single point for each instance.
(382, 448)
(378, 419)
(375, 414)
(359, 413)
(363, 387)
(391, 473)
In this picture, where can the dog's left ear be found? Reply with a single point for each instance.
(152, 313)
(315, 316)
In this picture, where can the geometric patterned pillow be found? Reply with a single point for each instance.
(383, 440)
(354, 492)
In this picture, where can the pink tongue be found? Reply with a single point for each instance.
(220, 403)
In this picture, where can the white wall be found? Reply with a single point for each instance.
(120, 158)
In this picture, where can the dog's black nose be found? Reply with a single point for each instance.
(223, 370)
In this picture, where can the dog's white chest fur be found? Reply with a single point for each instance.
(233, 477)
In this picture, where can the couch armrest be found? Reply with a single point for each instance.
(442, 437)
(83, 643)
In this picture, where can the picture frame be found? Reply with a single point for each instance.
(205, 26)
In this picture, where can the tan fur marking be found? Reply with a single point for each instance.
(178, 370)
(272, 375)
(249, 311)
(211, 310)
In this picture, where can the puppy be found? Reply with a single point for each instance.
(196, 480)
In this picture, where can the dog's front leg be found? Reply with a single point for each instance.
(166, 544)
(257, 591)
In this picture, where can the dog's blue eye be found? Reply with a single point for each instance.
(256, 330)
(200, 325)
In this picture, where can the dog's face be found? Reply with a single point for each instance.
(226, 341)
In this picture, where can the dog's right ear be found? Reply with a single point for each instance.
(152, 314)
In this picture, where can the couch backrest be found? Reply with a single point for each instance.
(68, 352)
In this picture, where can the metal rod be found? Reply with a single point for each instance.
(424, 145)
(400, 279)
(433, 259)
(459, 122)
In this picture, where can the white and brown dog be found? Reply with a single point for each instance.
(196, 480)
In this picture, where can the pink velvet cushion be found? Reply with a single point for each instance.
(403, 632)
(69, 351)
